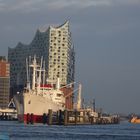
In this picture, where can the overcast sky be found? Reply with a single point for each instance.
(106, 36)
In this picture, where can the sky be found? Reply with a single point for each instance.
(106, 36)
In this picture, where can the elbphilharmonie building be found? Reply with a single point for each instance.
(56, 47)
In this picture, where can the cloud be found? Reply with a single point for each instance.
(16, 5)
(36, 5)
(127, 2)
(77, 3)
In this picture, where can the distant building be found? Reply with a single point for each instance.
(4, 82)
(55, 45)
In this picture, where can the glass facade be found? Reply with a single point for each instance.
(55, 45)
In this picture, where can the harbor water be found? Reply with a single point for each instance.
(18, 131)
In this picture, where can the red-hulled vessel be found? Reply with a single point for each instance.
(33, 103)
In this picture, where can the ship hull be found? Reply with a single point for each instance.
(31, 118)
(33, 108)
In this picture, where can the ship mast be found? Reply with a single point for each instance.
(34, 66)
(27, 72)
(43, 76)
(39, 78)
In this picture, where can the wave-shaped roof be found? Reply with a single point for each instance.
(40, 32)
(61, 26)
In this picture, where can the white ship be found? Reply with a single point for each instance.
(35, 102)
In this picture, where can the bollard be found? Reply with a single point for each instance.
(50, 117)
(28, 118)
(44, 118)
(60, 117)
(65, 117)
(76, 116)
(32, 118)
(91, 119)
(84, 116)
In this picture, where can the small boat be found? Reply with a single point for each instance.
(135, 120)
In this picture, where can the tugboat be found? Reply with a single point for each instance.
(135, 120)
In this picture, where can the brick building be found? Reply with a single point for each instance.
(4, 82)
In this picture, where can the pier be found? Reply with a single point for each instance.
(8, 114)
(75, 117)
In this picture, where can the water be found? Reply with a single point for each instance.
(18, 131)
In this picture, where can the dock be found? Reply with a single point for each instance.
(8, 114)
(75, 117)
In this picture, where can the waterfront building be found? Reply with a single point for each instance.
(55, 45)
(4, 82)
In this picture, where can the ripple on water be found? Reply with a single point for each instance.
(18, 131)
